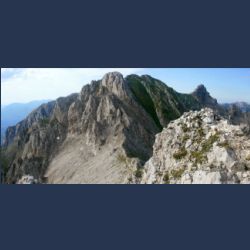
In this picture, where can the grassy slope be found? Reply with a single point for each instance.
(143, 98)
(156, 97)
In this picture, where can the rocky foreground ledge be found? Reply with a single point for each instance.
(106, 133)
(200, 148)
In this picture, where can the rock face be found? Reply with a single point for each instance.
(236, 113)
(104, 134)
(204, 97)
(27, 179)
(200, 148)
(101, 135)
(31, 143)
(13, 113)
(83, 138)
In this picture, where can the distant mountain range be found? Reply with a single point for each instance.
(13, 113)
(243, 106)
(106, 133)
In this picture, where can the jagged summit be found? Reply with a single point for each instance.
(201, 92)
(112, 79)
(104, 134)
(114, 74)
(115, 83)
(204, 97)
(201, 87)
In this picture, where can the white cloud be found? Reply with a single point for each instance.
(24, 85)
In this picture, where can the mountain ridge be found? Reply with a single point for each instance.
(104, 134)
(13, 113)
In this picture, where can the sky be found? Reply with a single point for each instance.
(22, 85)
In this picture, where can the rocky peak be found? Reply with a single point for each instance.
(113, 77)
(201, 88)
(103, 134)
(115, 83)
(200, 147)
(80, 131)
(204, 97)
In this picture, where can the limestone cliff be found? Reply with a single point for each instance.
(200, 148)
(104, 134)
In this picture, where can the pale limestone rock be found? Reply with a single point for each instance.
(27, 179)
(115, 83)
(213, 153)
(104, 133)
(203, 177)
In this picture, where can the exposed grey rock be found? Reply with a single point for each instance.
(199, 148)
(27, 179)
(115, 84)
(106, 133)
(98, 136)
(204, 97)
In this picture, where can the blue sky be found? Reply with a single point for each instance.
(24, 85)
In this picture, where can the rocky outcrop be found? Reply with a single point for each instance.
(100, 129)
(204, 97)
(104, 134)
(32, 143)
(27, 179)
(200, 147)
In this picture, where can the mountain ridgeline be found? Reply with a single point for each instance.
(13, 113)
(104, 134)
